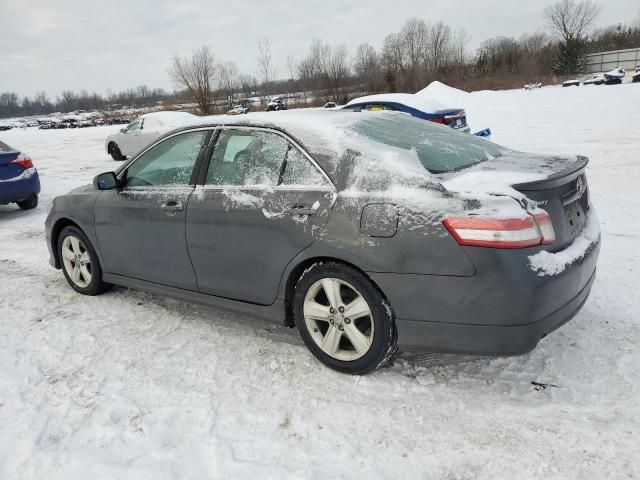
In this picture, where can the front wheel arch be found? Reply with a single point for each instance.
(55, 233)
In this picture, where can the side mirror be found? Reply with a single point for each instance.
(105, 181)
(123, 130)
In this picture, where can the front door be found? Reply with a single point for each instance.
(263, 202)
(141, 227)
(129, 141)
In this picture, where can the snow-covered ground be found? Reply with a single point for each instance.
(129, 385)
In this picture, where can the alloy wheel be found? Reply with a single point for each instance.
(338, 319)
(76, 260)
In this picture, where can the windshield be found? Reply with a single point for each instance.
(440, 149)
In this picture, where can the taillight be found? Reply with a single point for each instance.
(522, 232)
(24, 162)
(438, 120)
(547, 233)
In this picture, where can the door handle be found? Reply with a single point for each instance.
(302, 210)
(171, 207)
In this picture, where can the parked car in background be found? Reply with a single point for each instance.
(597, 79)
(330, 105)
(614, 77)
(142, 131)
(636, 76)
(533, 86)
(19, 180)
(275, 104)
(415, 106)
(238, 110)
(363, 230)
(571, 83)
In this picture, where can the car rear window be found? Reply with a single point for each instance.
(5, 148)
(440, 149)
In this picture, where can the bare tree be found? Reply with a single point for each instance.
(459, 43)
(197, 74)
(228, 82)
(367, 66)
(264, 62)
(572, 20)
(335, 67)
(439, 39)
(414, 35)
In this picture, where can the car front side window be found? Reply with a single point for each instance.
(133, 126)
(168, 163)
(247, 158)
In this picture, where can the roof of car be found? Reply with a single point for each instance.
(314, 129)
(410, 100)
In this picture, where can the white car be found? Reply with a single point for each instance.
(142, 131)
(238, 110)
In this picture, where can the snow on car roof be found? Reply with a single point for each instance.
(169, 119)
(427, 105)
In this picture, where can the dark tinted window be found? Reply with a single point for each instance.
(440, 149)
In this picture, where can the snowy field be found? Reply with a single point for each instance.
(129, 385)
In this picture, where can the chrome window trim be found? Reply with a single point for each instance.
(328, 188)
(288, 138)
(157, 142)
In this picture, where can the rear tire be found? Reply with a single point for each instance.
(80, 263)
(30, 203)
(115, 152)
(351, 329)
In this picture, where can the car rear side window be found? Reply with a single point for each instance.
(247, 158)
(5, 148)
(440, 149)
(299, 171)
(168, 163)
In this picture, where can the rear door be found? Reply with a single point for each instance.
(141, 227)
(263, 201)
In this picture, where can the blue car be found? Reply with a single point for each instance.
(415, 106)
(19, 181)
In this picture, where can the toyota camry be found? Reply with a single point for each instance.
(364, 230)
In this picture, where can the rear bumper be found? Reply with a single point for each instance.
(504, 309)
(487, 339)
(15, 191)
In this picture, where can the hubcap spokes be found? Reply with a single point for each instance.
(76, 260)
(339, 319)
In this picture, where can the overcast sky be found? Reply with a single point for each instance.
(53, 45)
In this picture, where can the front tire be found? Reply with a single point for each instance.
(115, 152)
(344, 319)
(80, 263)
(29, 203)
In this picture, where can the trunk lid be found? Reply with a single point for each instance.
(558, 185)
(7, 169)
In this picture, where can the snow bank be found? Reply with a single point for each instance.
(546, 263)
(439, 92)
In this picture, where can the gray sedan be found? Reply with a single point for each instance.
(364, 230)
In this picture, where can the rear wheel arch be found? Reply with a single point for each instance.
(296, 273)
